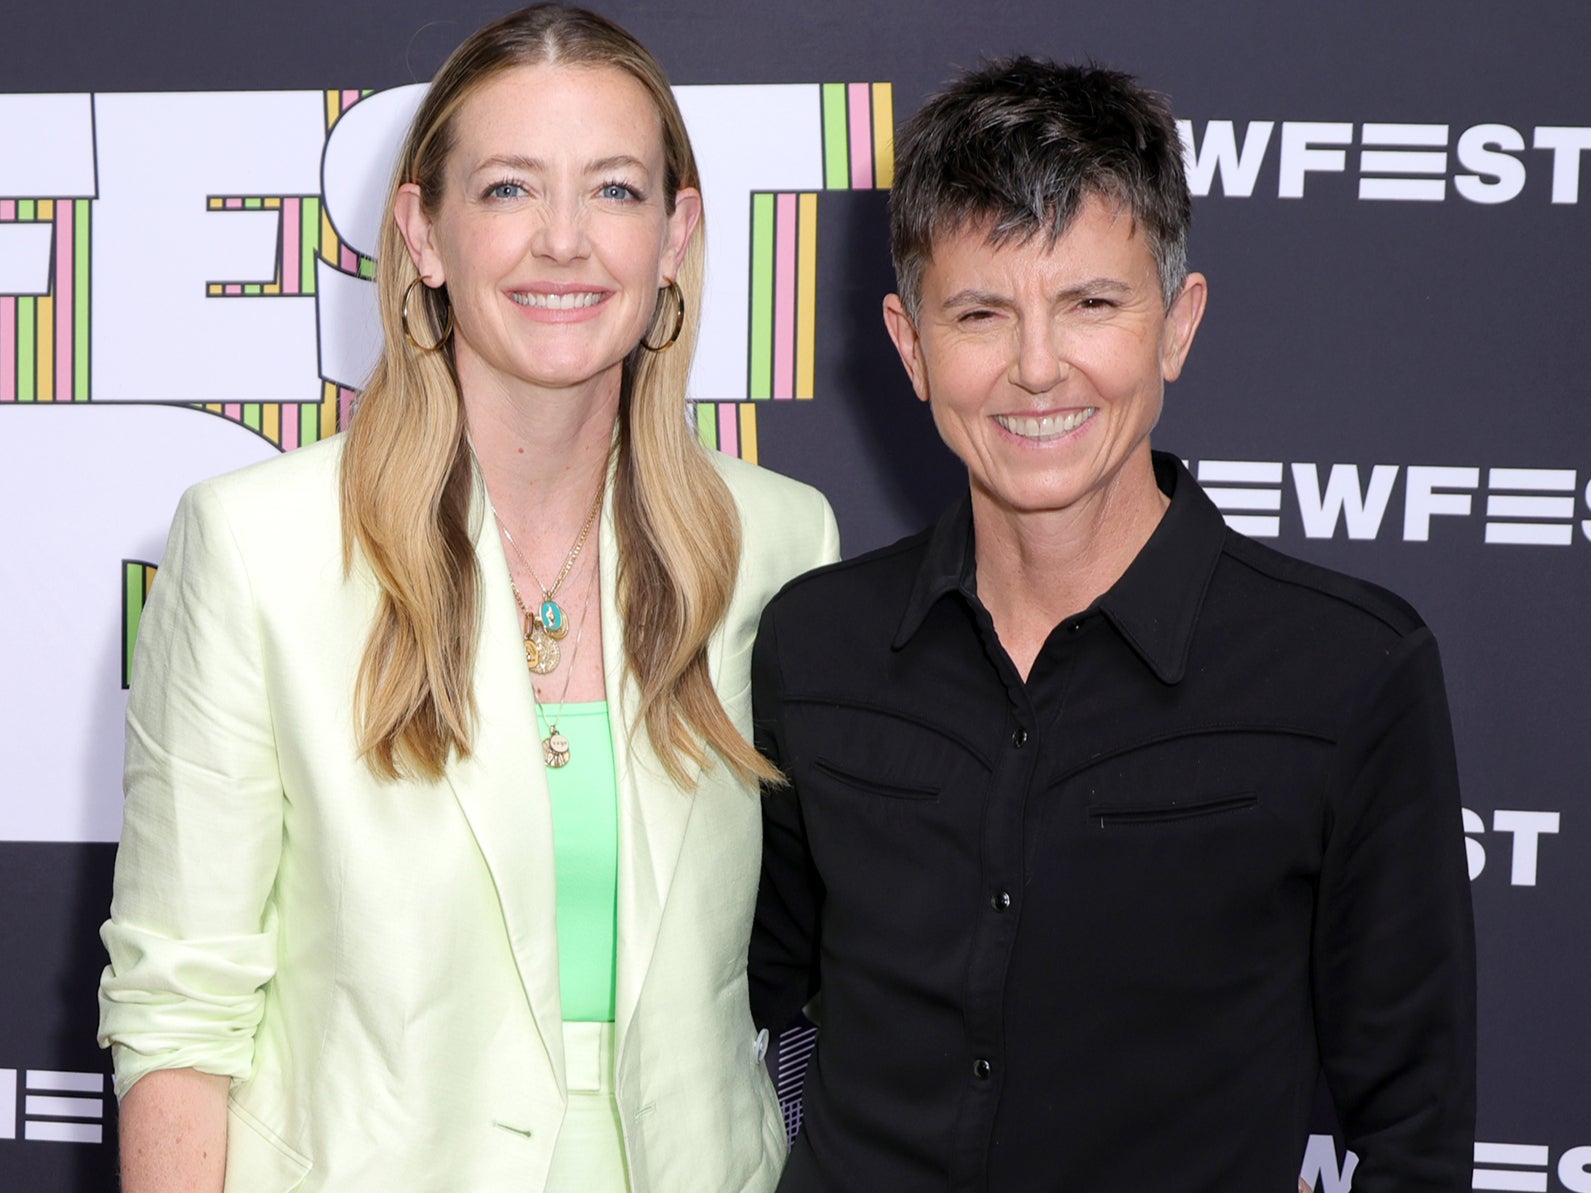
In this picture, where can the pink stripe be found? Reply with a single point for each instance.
(64, 313)
(729, 428)
(234, 204)
(234, 411)
(348, 260)
(290, 246)
(350, 98)
(8, 345)
(8, 209)
(345, 409)
(234, 288)
(291, 413)
(784, 295)
(860, 97)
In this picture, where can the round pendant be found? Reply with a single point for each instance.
(555, 750)
(541, 652)
(552, 619)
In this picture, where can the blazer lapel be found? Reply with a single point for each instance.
(653, 811)
(502, 789)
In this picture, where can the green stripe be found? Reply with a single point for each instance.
(836, 138)
(367, 267)
(27, 209)
(308, 243)
(133, 602)
(252, 416)
(27, 348)
(253, 289)
(254, 204)
(707, 425)
(760, 383)
(308, 424)
(80, 306)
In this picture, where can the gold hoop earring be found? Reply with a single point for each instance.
(679, 319)
(409, 335)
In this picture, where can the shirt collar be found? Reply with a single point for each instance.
(947, 567)
(1154, 605)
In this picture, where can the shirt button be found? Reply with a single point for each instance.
(981, 1069)
(1000, 900)
(1075, 627)
(1019, 738)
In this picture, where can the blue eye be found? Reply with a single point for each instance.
(619, 191)
(504, 190)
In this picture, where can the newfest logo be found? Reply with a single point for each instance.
(1484, 163)
(1516, 506)
(1525, 1167)
(186, 288)
(56, 1106)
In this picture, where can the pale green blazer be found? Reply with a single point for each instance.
(375, 964)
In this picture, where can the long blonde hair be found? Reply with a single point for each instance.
(407, 468)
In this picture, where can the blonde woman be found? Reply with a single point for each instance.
(442, 829)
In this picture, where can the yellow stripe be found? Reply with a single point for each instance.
(806, 293)
(883, 136)
(271, 422)
(748, 431)
(328, 239)
(328, 409)
(44, 337)
(333, 108)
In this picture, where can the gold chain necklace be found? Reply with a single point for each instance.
(548, 626)
(555, 746)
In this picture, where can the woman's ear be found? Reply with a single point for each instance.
(408, 212)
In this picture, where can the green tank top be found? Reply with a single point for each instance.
(585, 837)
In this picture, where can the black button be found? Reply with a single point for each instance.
(1000, 900)
(1019, 738)
(981, 1069)
(1075, 627)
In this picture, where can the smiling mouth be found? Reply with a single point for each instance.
(1048, 426)
(559, 302)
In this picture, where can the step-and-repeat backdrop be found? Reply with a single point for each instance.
(1393, 209)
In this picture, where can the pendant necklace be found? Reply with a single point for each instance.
(548, 625)
(555, 746)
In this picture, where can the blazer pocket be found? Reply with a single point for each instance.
(885, 788)
(257, 1159)
(1169, 811)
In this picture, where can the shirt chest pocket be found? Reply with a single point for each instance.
(1170, 810)
(874, 757)
(1205, 806)
(892, 809)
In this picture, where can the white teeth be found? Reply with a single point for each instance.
(1050, 426)
(558, 302)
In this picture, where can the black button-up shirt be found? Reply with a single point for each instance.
(1101, 930)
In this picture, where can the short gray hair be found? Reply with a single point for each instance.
(1020, 143)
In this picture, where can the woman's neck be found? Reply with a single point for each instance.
(543, 455)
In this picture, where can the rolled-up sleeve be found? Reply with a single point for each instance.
(191, 937)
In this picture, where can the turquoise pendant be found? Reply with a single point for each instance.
(552, 619)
